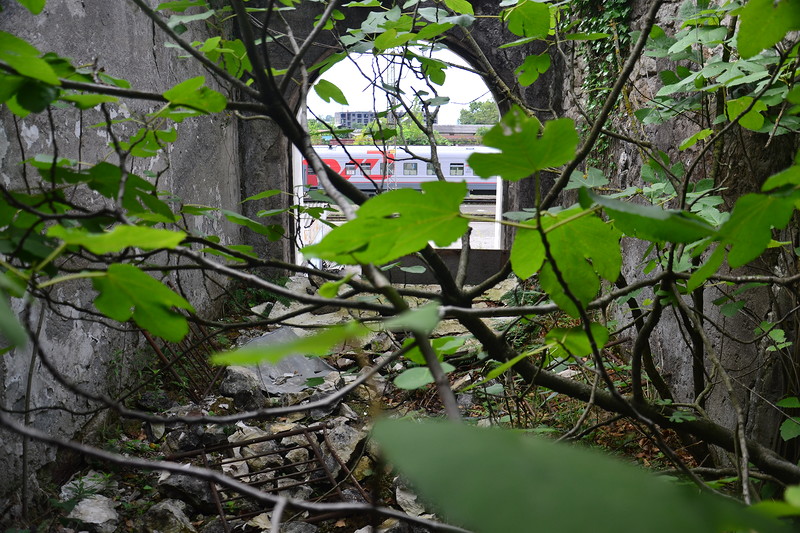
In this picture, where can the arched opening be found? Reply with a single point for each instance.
(378, 94)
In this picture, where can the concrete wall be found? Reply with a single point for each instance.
(759, 376)
(202, 167)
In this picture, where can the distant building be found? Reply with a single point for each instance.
(458, 134)
(462, 133)
(353, 119)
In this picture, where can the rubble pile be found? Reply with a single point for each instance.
(318, 453)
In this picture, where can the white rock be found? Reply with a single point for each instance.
(407, 501)
(97, 510)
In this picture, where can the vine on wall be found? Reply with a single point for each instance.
(602, 57)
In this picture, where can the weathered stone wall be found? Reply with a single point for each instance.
(757, 375)
(201, 167)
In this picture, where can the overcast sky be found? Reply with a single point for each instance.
(460, 86)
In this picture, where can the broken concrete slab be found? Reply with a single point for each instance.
(97, 511)
(290, 374)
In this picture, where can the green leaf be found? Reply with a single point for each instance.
(586, 36)
(147, 142)
(272, 232)
(181, 5)
(435, 71)
(574, 341)
(749, 228)
(691, 141)
(14, 107)
(422, 320)
(790, 176)
(418, 377)
(763, 23)
(328, 91)
(126, 292)
(272, 212)
(363, 3)
(585, 249)
(790, 402)
(462, 7)
(431, 31)
(593, 177)
(775, 509)
(792, 495)
(732, 308)
(383, 134)
(314, 382)
(35, 96)
(441, 345)
(753, 119)
(331, 288)
(119, 238)
(194, 209)
(528, 19)
(707, 270)
(650, 222)
(34, 6)
(262, 195)
(395, 224)
(500, 369)
(10, 85)
(390, 38)
(12, 285)
(790, 429)
(497, 481)
(522, 150)
(110, 80)
(177, 21)
(24, 58)
(527, 253)
(193, 95)
(10, 328)
(529, 71)
(87, 101)
(315, 345)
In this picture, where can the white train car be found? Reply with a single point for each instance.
(373, 170)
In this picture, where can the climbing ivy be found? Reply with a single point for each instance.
(602, 57)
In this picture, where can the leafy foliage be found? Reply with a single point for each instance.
(70, 221)
(583, 249)
(126, 292)
(523, 150)
(484, 112)
(314, 345)
(395, 224)
(471, 483)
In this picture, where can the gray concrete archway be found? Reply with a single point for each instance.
(265, 152)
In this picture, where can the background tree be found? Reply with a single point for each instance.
(483, 112)
(405, 131)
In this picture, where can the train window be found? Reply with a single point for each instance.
(350, 169)
(409, 169)
(429, 170)
(387, 170)
(456, 169)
